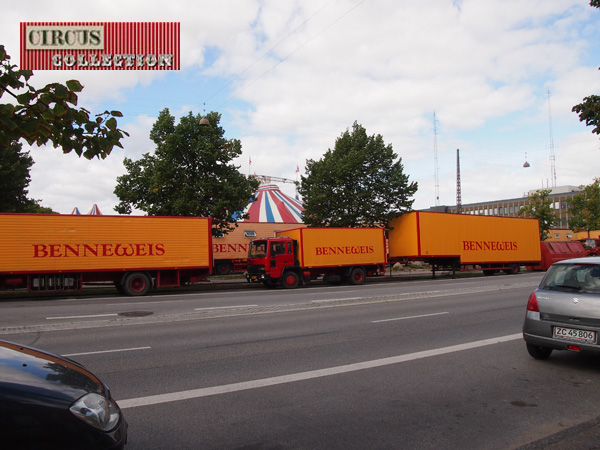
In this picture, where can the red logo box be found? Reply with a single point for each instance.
(100, 46)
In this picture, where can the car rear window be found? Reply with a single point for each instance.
(573, 277)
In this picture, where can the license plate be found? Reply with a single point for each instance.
(574, 334)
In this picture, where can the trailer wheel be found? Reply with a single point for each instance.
(137, 283)
(290, 280)
(222, 268)
(357, 276)
(514, 269)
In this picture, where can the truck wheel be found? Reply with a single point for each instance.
(137, 283)
(357, 276)
(290, 280)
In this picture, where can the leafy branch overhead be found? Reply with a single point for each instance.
(48, 115)
(589, 108)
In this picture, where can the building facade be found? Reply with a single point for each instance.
(560, 197)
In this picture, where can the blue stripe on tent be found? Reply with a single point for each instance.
(266, 199)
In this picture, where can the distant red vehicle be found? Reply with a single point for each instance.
(591, 246)
(553, 251)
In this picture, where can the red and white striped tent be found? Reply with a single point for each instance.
(95, 211)
(272, 205)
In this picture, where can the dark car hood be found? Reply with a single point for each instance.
(42, 375)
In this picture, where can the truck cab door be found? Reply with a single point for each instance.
(282, 255)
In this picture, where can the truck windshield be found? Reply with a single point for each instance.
(258, 249)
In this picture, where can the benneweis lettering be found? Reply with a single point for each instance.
(495, 246)
(96, 250)
(224, 248)
(347, 250)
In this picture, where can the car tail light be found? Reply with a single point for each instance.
(574, 348)
(532, 304)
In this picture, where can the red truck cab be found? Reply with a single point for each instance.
(267, 259)
(591, 246)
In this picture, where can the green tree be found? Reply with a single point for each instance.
(47, 115)
(585, 208)
(361, 182)
(540, 207)
(589, 109)
(189, 174)
(14, 180)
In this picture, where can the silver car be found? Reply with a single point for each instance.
(563, 313)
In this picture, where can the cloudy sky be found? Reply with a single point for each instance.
(289, 76)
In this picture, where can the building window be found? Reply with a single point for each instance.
(249, 233)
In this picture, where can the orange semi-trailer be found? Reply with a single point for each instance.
(51, 252)
(230, 251)
(454, 240)
(297, 256)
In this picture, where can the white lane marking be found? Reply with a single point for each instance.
(291, 378)
(108, 351)
(336, 300)
(146, 303)
(409, 317)
(223, 307)
(80, 317)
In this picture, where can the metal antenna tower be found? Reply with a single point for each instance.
(552, 157)
(458, 189)
(435, 162)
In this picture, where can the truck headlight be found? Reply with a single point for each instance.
(97, 411)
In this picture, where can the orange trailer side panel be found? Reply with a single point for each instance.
(63, 243)
(329, 247)
(475, 239)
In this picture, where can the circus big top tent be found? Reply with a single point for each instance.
(272, 205)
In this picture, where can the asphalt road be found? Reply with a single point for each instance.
(430, 364)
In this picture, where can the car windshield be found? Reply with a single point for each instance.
(258, 249)
(573, 278)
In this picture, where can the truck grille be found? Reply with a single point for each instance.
(255, 268)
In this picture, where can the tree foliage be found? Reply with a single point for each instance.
(14, 180)
(361, 182)
(48, 115)
(585, 208)
(540, 207)
(189, 174)
(589, 109)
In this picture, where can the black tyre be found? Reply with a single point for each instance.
(513, 269)
(222, 269)
(290, 280)
(357, 276)
(137, 283)
(538, 352)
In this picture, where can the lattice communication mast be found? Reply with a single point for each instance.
(435, 162)
(458, 189)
